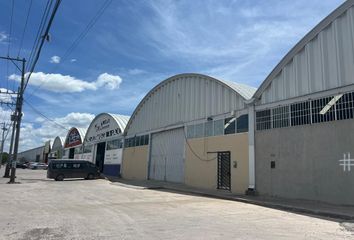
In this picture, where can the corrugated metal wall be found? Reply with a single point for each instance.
(31, 155)
(184, 99)
(326, 62)
(167, 156)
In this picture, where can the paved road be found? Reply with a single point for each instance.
(44, 209)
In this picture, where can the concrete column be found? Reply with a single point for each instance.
(251, 148)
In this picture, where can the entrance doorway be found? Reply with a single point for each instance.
(101, 149)
(71, 153)
(224, 173)
(166, 159)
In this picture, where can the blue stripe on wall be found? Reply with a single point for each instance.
(111, 170)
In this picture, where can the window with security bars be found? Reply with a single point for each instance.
(263, 119)
(317, 105)
(300, 113)
(338, 107)
(280, 117)
(345, 107)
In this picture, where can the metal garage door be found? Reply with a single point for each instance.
(167, 156)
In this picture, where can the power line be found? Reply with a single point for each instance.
(10, 31)
(78, 39)
(39, 32)
(44, 37)
(9, 42)
(24, 28)
(49, 119)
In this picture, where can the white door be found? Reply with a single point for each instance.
(166, 159)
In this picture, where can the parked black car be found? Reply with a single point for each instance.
(69, 168)
(21, 165)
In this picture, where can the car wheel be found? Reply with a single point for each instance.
(90, 176)
(60, 177)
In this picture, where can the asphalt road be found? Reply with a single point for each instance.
(39, 208)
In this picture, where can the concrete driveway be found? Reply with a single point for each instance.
(39, 208)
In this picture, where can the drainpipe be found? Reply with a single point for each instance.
(251, 149)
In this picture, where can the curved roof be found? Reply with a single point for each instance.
(302, 43)
(244, 91)
(120, 120)
(81, 132)
(60, 139)
(58, 143)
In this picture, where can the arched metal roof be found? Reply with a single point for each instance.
(59, 140)
(81, 132)
(242, 90)
(302, 43)
(121, 121)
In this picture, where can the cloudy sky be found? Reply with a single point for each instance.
(134, 45)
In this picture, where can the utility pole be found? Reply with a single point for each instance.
(9, 160)
(4, 129)
(17, 117)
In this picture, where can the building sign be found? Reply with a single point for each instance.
(103, 127)
(73, 138)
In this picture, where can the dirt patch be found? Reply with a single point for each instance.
(43, 233)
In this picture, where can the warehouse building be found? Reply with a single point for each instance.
(304, 116)
(32, 155)
(73, 143)
(57, 148)
(191, 129)
(103, 142)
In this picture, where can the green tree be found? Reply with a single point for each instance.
(5, 156)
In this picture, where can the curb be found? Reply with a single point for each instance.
(293, 209)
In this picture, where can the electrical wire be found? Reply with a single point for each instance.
(42, 115)
(44, 37)
(77, 41)
(10, 31)
(24, 28)
(39, 31)
(194, 153)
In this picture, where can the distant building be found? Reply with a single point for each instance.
(32, 155)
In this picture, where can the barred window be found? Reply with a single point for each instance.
(146, 140)
(300, 113)
(230, 126)
(263, 120)
(345, 106)
(280, 117)
(242, 123)
(87, 148)
(317, 106)
(114, 144)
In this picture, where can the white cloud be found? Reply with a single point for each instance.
(232, 39)
(5, 114)
(136, 71)
(56, 82)
(35, 134)
(3, 37)
(55, 59)
(109, 81)
(73, 60)
(7, 96)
